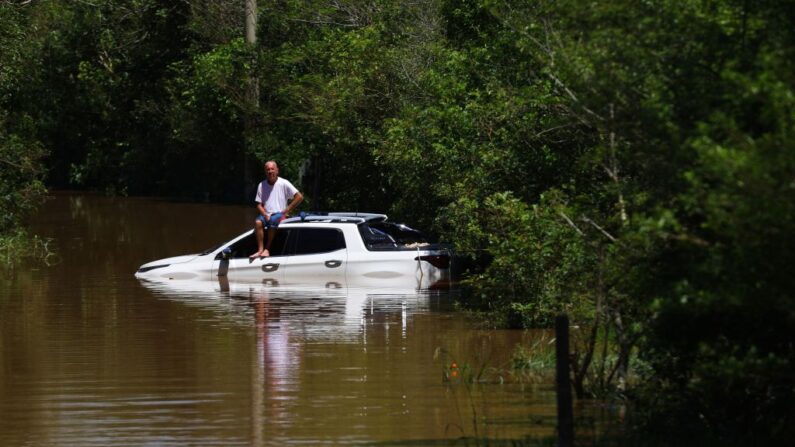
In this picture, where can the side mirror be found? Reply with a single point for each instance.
(224, 255)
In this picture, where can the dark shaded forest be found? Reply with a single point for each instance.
(630, 163)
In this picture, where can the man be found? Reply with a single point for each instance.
(276, 198)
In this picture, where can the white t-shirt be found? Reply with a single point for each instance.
(275, 196)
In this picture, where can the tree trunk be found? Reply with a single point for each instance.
(252, 104)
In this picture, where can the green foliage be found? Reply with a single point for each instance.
(667, 172)
(732, 300)
(535, 363)
(21, 187)
(21, 170)
(18, 246)
(523, 245)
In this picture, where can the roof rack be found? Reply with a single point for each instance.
(343, 217)
(368, 217)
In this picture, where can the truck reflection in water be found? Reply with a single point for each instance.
(287, 318)
(329, 310)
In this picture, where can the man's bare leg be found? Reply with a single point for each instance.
(260, 232)
(271, 234)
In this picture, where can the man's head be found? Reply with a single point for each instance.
(271, 171)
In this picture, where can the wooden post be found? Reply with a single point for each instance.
(563, 382)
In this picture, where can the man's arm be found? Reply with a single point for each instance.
(261, 209)
(297, 198)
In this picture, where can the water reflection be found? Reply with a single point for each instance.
(326, 354)
(333, 310)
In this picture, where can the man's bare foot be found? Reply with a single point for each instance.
(256, 255)
(264, 253)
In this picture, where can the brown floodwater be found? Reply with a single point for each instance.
(89, 355)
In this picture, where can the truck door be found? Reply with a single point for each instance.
(318, 257)
(238, 267)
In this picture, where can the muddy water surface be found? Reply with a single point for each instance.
(91, 356)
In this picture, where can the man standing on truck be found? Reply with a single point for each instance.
(276, 198)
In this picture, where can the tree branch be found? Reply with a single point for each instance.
(572, 224)
(601, 230)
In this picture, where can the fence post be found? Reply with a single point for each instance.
(563, 382)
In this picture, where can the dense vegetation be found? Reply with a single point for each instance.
(21, 171)
(631, 163)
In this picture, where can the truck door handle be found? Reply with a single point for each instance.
(270, 267)
(333, 263)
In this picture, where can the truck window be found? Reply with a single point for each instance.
(248, 245)
(318, 240)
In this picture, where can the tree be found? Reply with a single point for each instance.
(21, 171)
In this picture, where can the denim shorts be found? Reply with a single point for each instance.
(273, 222)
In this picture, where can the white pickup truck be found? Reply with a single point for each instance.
(352, 249)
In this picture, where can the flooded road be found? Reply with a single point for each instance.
(91, 356)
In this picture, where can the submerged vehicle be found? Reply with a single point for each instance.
(331, 249)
